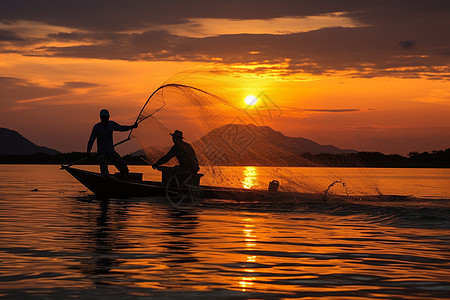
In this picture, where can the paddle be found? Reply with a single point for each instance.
(93, 155)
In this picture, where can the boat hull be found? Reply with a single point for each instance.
(113, 186)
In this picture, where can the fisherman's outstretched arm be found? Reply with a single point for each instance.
(118, 127)
(165, 158)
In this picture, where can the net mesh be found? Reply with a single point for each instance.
(203, 106)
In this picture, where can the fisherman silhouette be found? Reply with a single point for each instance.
(183, 152)
(103, 132)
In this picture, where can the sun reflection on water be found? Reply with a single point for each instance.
(250, 179)
(250, 243)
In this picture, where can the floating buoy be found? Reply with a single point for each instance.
(273, 186)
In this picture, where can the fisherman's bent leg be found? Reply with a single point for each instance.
(103, 162)
(120, 164)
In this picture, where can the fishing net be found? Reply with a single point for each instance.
(236, 145)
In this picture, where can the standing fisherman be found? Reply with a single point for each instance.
(103, 132)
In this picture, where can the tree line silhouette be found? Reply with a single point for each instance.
(433, 159)
(436, 158)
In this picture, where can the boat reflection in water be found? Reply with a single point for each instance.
(162, 239)
(178, 250)
(101, 222)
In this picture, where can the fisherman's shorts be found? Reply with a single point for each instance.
(115, 159)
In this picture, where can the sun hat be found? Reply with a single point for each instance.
(177, 133)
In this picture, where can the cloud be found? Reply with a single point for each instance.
(18, 90)
(122, 15)
(407, 45)
(362, 51)
(149, 45)
(365, 128)
(107, 16)
(319, 110)
(79, 85)
(143, 30)
(9, 36)
(205, 27)
(333, 110)
(15, 89)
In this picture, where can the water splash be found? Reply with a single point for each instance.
(331, 185)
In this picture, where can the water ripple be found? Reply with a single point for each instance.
(70, 244)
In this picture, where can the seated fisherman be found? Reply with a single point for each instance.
(184, 153)
(103, 132)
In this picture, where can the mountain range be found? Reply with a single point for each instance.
(235, 144)
(239, 144)
(12, 142)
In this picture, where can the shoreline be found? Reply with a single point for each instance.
(262, 166)
(435, 159)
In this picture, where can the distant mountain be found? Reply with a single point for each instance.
(11, 142)
(238, 144)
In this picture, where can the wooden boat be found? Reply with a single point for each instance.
(178, 189)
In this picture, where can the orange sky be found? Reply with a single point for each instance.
(350, 76)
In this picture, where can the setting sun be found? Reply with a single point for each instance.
(250, 100)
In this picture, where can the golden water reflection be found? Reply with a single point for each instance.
(247, 280)
(250, 177)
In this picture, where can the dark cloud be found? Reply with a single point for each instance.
(404, 13)
(373, 49)
(80, 36)
(106, 15)
(79, 85)
(9, 36)
(362, 128)
(149, 45)
(318, 110)
(407, 45)
(367, 51)
(332, 110)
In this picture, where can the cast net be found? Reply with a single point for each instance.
(233, 142)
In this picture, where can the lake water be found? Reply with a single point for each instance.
(59, 241)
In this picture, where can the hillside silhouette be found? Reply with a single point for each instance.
(12, 142)
(238, 144)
